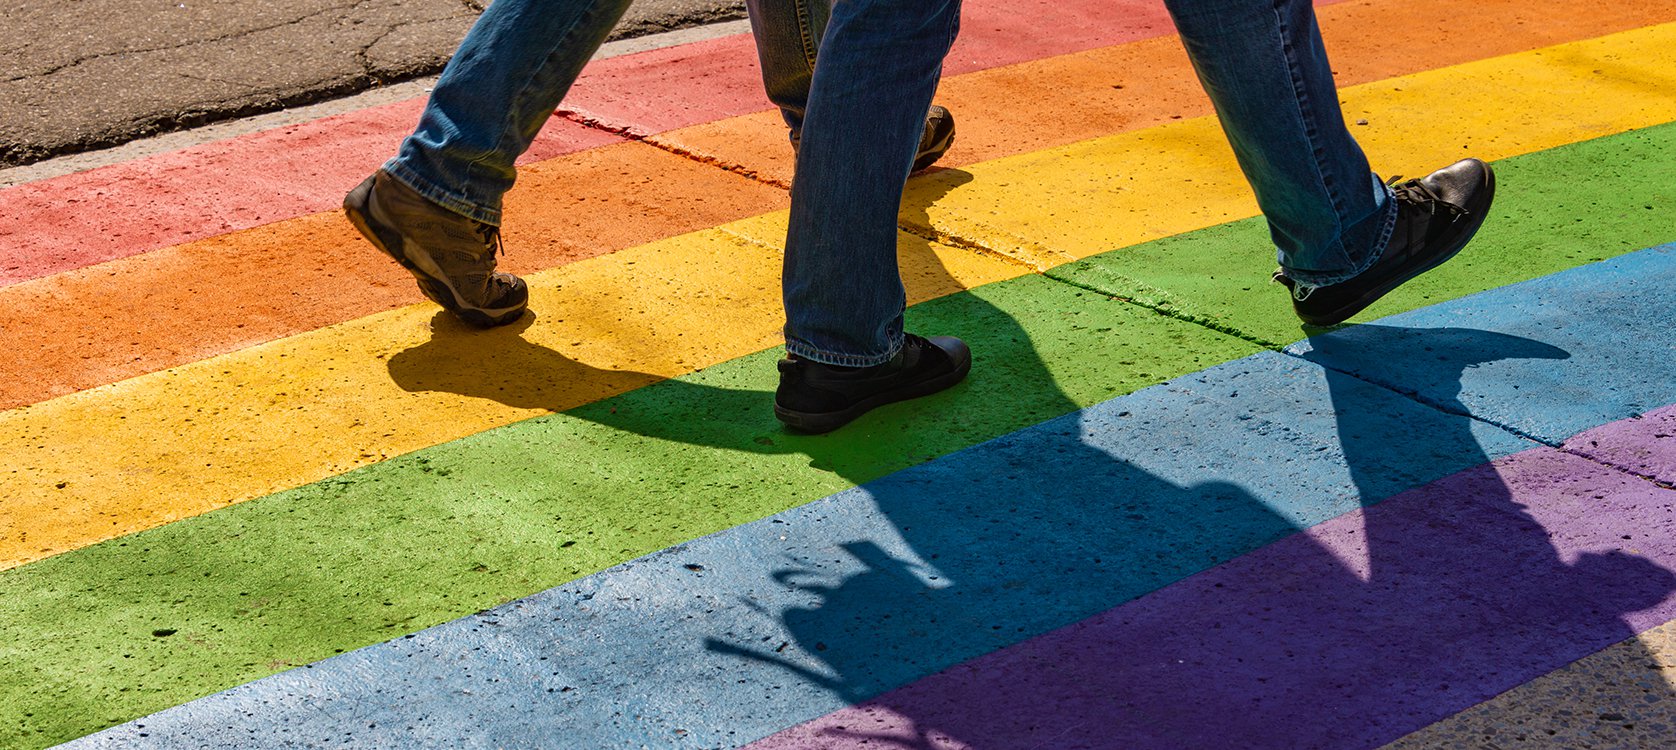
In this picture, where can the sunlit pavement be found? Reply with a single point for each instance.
(259, 494)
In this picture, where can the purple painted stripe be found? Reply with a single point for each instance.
(1645, 445)
(1350, 634)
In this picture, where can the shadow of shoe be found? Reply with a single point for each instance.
(500, 365)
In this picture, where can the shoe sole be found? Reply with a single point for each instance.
(1475, 220)
(824, 422)
(435, 287)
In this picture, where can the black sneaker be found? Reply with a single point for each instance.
(821, 398)
(1436, 216)
(453, 257)
(934, 141)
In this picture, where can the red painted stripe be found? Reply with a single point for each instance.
(697, 83)
(125, 209)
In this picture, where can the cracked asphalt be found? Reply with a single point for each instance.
(77, 75)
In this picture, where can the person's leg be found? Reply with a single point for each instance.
(879, 65)
(1342, 235)
(787, 33)
(436, 207)
(1264, 67)
(878, 69)
(509, 74)
(788, 36)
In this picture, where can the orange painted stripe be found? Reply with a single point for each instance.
(1053, 102)
(150, 312)
(167, 308)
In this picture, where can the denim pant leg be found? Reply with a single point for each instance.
(508, 75)
(787, 33)
(1264, 66)
(879, 65)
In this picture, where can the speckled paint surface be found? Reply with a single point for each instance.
(239, 458)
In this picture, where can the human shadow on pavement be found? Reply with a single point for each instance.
(1367, 628)
(1427, 605)
(1363, 630)
(500, 365)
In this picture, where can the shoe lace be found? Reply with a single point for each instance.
(491, 238)
(1416, 193)
(1299, 291)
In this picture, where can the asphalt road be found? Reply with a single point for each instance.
(77, 75)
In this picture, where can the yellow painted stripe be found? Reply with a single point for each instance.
(146, 451)
(136, 454)
(1049, 207)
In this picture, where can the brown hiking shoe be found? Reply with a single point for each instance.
(937, 138)
(453, 257)
(934, 141)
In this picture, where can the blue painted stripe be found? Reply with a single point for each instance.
(740, 634)
(1611, 320)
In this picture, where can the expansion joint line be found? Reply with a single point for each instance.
(749, 240)
(1045, 272)
(1432, 404)
(956, 241)
(1412, 396)
(630, 134)
(1173, 313)
(1655, 481)
(762, 179)
(1509, 429)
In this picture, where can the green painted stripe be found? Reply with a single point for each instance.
(425, 538)
(1554, 210)
(415, 541)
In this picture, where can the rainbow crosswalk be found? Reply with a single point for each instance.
(255, 497)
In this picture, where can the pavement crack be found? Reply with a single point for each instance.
(193, 43)
(1171, 311)
(748, 239)
(1434, 404)
(1412, 395)
(1655, 481)
(363, 56)
(1282, 349)
(953, 240)
(621, 131)
(712, 161)
(211, 79)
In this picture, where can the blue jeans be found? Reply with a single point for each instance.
(861, 112)
(1261, 62)
(787, 34)
(502, 85)
(880, 61)
(514, 67)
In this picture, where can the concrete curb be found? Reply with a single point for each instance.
(106, 72)
(70, 163)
